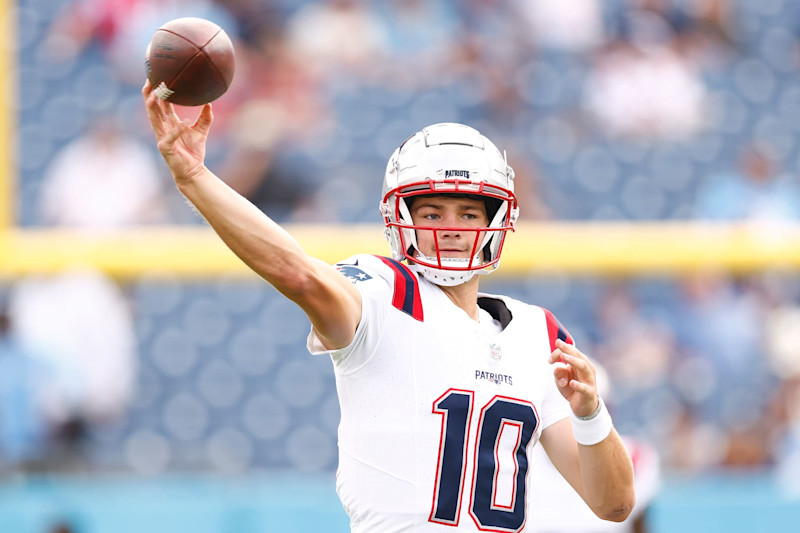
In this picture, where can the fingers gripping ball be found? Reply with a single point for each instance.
(190, 61)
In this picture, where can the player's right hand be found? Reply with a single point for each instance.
(182, 145)
(576, 377)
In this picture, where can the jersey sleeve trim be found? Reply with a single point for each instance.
(406, 289)
(556, 331)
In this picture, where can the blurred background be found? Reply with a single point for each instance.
(148, 382)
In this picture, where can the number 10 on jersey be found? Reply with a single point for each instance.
(499, 458)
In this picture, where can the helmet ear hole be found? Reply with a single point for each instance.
(487, 250)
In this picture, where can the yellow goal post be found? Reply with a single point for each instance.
(627, 249)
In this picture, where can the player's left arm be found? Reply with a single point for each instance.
(601, 473)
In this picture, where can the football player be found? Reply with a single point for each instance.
(443, 390)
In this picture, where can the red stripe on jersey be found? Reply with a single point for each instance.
(406, 289)
(556, 331)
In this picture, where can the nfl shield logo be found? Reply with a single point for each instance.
(495, 352)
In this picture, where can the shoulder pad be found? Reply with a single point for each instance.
(405, 284)
(364, 267)
(555, 330)
(406, 288)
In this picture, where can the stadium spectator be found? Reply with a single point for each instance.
(103, 180)
(576, 26)
(646, 81)
(338, 39)
(756, 190)
(282, 106)
(81, 324)
(641, 89)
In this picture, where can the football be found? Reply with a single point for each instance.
(190, 61)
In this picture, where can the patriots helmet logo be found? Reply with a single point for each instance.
(353, 273)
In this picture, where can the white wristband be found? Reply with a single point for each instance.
(594, 428)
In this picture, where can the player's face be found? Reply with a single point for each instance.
(452, 215)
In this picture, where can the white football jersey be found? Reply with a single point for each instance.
(439, 412)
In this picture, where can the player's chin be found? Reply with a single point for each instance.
(453, 254)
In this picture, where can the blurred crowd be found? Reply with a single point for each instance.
(609, 110)
(620, 109)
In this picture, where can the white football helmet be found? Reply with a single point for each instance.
(448, 158)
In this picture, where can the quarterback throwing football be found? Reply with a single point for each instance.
(443, 390)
